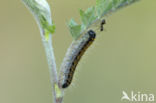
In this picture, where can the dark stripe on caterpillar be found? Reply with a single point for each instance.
(102, 23)
(74, 54)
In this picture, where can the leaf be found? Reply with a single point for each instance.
(105, 6)
(74, 28)
(47, 26)
(100, 6)
(88, 16)
(91, 18)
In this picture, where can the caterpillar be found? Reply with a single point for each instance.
(74, 54)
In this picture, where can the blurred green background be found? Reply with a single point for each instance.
(123, 57)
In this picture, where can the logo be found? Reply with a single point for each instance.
(137, 97)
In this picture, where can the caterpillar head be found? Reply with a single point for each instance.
(92, 34)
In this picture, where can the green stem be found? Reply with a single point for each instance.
(57, 94)
(41, 11)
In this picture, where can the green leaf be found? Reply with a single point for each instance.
(72, 23)
(87, 17)
(105, 6)
(74, 28)
(100, 6)
(46, 26)
(91, 18)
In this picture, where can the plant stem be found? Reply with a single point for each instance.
(41, 11)
(57, 94)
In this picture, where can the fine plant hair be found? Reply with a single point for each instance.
(92, 21)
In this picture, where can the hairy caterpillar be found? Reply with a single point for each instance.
(74, 54)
